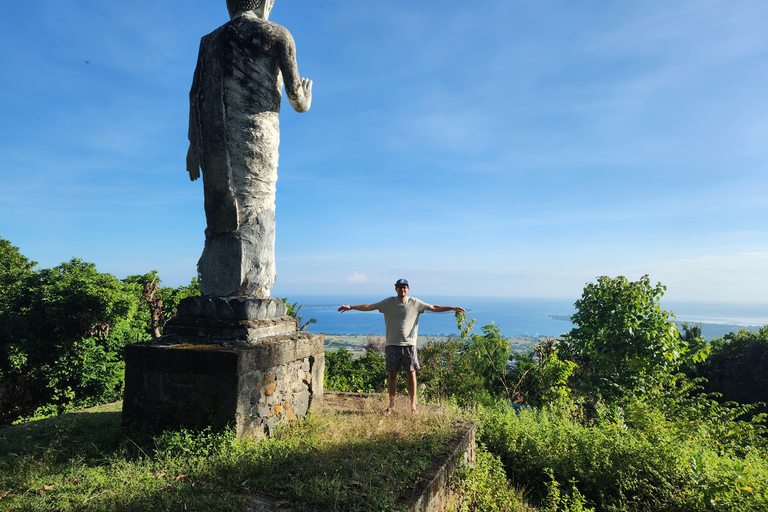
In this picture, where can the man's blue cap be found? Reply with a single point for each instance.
(402, 281)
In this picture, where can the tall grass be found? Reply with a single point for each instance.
(338, 460)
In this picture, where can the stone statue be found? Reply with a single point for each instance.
(233, 139)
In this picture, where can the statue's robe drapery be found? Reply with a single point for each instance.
(234, 134)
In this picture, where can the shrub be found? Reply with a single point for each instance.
(736, 367)
(483, 487)
(469, 369)
(541, 376)
(623, 460)
(345, 373)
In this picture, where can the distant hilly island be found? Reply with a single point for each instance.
(708, 331)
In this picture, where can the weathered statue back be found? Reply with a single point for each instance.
(234, 136)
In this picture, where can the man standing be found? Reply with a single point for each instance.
(401, 317)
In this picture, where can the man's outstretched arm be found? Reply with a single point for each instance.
(445, 309)
(357, 307)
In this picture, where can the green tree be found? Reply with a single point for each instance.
(62, 338)
(14, 267)
(623, 336)
(345, 373)
(736, 367)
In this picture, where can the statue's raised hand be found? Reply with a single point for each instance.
(306, 84)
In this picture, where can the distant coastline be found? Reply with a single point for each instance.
(519, 318)
(708, 330)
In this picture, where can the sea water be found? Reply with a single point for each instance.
(517, 317)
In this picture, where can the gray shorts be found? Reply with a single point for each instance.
(401, 358)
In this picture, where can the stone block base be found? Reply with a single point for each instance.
(253, 388)
(227, 332)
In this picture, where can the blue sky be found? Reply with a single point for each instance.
(487, 148)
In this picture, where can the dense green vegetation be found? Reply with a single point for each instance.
(63, 329)
(622, 413)
(737, 367)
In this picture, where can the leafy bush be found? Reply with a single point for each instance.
(736, 367)
(623, 460)
(468, 369)
(483, 487)
(63, 330)
(345, 373)
(448, 371)
(540, 374)
(63, 334)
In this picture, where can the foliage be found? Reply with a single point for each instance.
(623, 336)
(467, 369)
(736, 367)
(63, 329)
(729, 428)
(14, 268)
(63, 336)
(483, 487)
(158, 303)
(293, 312)
(447, 371)
(541, 375)
(345, 373)
(559, 501)
(627, 459)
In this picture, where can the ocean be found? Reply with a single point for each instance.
(517, 317)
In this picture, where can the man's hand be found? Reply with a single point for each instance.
(344, 308)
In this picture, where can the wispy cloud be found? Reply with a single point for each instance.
(356, 277)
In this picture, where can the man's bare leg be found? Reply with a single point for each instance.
(392, 388)
(411, 376)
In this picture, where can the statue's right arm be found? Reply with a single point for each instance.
(298, 90)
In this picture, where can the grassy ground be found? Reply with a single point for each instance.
(349, 457)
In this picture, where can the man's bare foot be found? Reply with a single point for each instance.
(414, 410)
(389, 410)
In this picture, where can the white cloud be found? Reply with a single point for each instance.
(356, 277)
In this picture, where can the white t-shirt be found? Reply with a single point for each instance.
(402, 319)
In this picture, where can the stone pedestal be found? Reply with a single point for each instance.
(225, 361)
(232, 321)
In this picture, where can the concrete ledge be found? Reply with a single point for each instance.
(436, 493)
